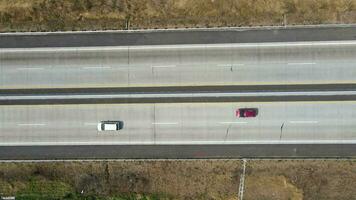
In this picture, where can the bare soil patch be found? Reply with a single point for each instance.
(301, 179)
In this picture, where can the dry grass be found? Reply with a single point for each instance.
(301, 180)
(202, 179)
(173, 179)
(52, 15)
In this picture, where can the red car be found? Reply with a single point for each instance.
(246, 112)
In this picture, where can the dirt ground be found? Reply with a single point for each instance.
(192, 179)
(301, 179)
(54, 15)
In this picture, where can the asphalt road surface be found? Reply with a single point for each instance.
(179, 65)
(179, 130)
(266, 93)
(174, 124)
(178, 151)
(190, 36)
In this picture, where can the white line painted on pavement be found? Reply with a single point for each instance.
(242, 181)
(301, 63)
(332, 158)
(303, 122)
(165, 123)
(233, 122)
(29, 68)
(31, 143)
(96, 67)
(164, 66)
(90, 123)
(175, 95)
(224, 65)
(30, 124)
(189, 46)
(229, 65)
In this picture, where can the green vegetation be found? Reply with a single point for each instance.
(120, 180)
(74, 196)
(40, 188)
(54, 15)
(194, 179)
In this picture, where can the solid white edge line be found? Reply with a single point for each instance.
(275, 158)
(220, 142)
(173, 95)
(184, 46)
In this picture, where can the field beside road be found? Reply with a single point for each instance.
(54, 15)
(189, 179)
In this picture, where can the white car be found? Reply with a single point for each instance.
(110, 125)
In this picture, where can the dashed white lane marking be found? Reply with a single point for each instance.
(165, 123)
(233, 122)
(303, 122)
(31, 124)
(230, 65)
(96, 67)
(90, 123)
(305, 63)
(30, 68)
(164, 66)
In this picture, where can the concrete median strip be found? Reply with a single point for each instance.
(172, 95)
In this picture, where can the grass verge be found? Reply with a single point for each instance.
(64, 15)
(192, 179)
(120, 180)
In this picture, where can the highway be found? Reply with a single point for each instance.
(174, 124)
(179, 65)
(177, 93)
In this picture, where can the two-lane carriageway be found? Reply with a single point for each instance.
(180, 123)
(179, 65)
